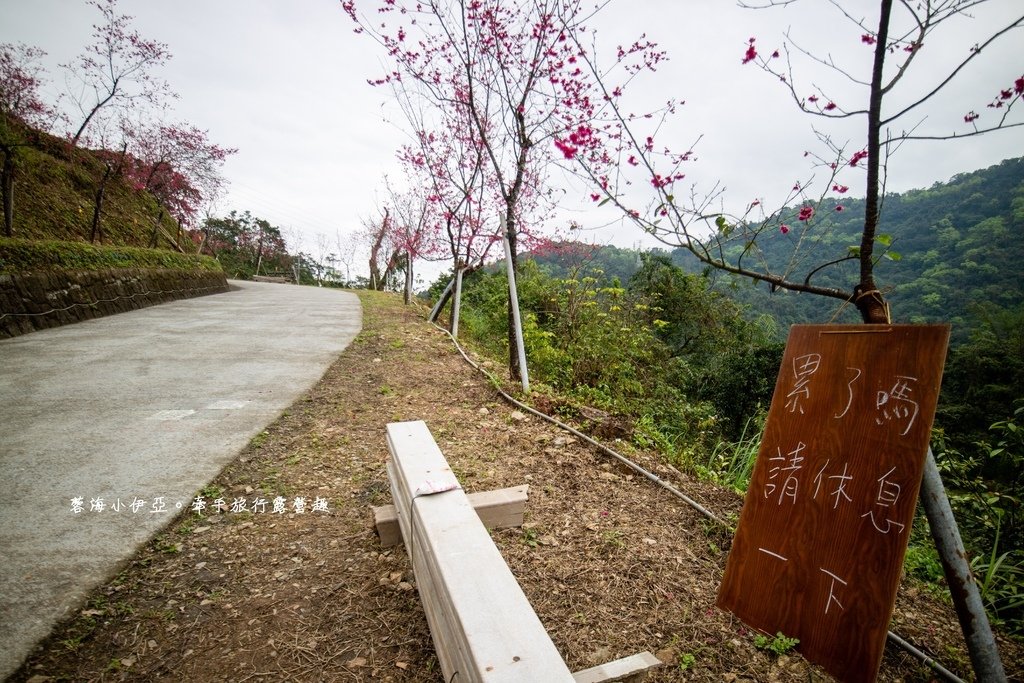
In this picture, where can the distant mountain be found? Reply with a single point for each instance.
(961, 243)
(961, 248)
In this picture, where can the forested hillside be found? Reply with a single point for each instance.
(690, 359)
(956, 249)
(956, 255)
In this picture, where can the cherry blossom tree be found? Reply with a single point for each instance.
(450, 164)
(413, 227)
(513, 69)
(244, 243)
(384, 255)
(22, 109)
(117, 70)
(890, 90)
(179, 166)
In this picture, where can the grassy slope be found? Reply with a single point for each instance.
(54, 192)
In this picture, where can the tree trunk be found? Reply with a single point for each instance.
(456, 304)
(156, 229)
(408, 278)
(375, 280)
(7, 186)
(97, 209)
(393, 262)
(868, 299)
(259, 251)
(514, 370)
(109, 170)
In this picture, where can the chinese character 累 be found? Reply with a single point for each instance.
(803, 368)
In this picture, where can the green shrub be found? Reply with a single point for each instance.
(20, 255)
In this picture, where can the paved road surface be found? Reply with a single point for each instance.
(147, 404)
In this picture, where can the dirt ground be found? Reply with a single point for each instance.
(612, 564)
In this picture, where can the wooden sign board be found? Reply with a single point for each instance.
(825, 523)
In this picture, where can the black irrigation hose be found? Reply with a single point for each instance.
(895, 639)
(621, 458)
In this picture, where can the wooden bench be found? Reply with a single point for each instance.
(482, 625)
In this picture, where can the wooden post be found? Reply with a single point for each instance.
(498, 509)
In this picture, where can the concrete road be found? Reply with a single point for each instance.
(147, 405)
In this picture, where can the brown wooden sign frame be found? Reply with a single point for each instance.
(825, 524)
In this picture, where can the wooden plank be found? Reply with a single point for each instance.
(825, 523)
(482, 625)
(498, 509)
(635, 668)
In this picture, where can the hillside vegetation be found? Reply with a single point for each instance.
(957, 249)
(632, 346)
(54, 198)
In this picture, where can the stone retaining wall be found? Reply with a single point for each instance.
(35, 301)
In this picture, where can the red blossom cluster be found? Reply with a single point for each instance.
(583, 136)
(858, 157)
(1008, 94)
(806, 213)
(751, 53)
(20, 81)
(659, 182)
(177, 164)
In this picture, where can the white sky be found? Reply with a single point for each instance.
(284, 81)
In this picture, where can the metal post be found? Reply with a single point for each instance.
(457, 304)
(514, 302)
(981, 644)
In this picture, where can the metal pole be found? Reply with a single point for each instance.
(981, 644)
(457, 304)
(514, 301)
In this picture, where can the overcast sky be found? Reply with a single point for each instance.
(284, 81)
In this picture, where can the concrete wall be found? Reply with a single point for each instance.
(35, 301)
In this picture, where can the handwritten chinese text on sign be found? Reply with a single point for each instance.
(826, 520)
